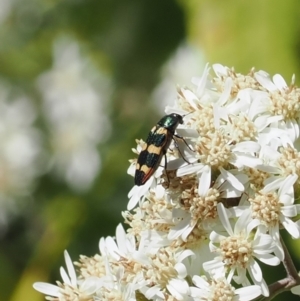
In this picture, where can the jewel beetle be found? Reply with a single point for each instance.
(156, 146)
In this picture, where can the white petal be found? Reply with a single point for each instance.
(199, 293)
(215, 237)
(132, 191)
(112, 248)
(246, 147)
(232, 179)
(151, 292)
(137, 192)
(121, 238)
(255, 270)
(243, 222)
(263, 242)
(287, 185)
(298, 207)
(170, 110)
(202, 83)
(102, 246)
(264, 288)
(293, 129)
(190, 169)
(187, 232)
(241, 277)
(251, 225)
(132, 202)
(258, 106)
(269, 169)
(180, 228)
(64, 276)
(263, 78)
(91, 285)
(287, 200)
(185, 254)
(189, 96)
(204, 181)
(70, 268)
(247, 293)
(213, 265)
(220, 70)
(178, 288)
(131, 169)
(224, 219)
(246, 160)
(274, 185)
(291, 227)
(279, 82)
(296, 290)
(278, 251)
(47, 289)
(200, 282)
(187, 133)
(181, 269)
(226, 91)
(178, 163)
(268, 259)
(289, 211)
(217, 112)
(261, 122)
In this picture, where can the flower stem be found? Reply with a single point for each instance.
(292, 279)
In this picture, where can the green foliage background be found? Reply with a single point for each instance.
(130, 40)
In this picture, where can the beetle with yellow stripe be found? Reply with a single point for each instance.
(156, 146)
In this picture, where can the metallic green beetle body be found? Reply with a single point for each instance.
(156, 146)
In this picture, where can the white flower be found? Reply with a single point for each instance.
(284, 99)
(215, 148)
(71, 285)
(74, 111)
(122, 246)
(20, 152)
(272, 208)
(237, 251)
(240, 151)
(281, 163)
(200, 210)
(166, 274)
(115, 288)
(218, 288)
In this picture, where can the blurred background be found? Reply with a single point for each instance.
(80, 80)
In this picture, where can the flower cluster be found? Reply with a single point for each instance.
(21, 150)
(73, 109)
(200, 229)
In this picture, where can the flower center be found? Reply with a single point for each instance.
(239, 81)
(242, 128)
(266, 208)
(214, 149)
(236, 251)
(203, 120)
(286, 102)
(289, 161)
(201, 207)
(256, 178)
(162, 268)
(220, 290)
(91, 266)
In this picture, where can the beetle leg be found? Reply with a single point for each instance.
(181, 138)
(177, 146)
(166, 164)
